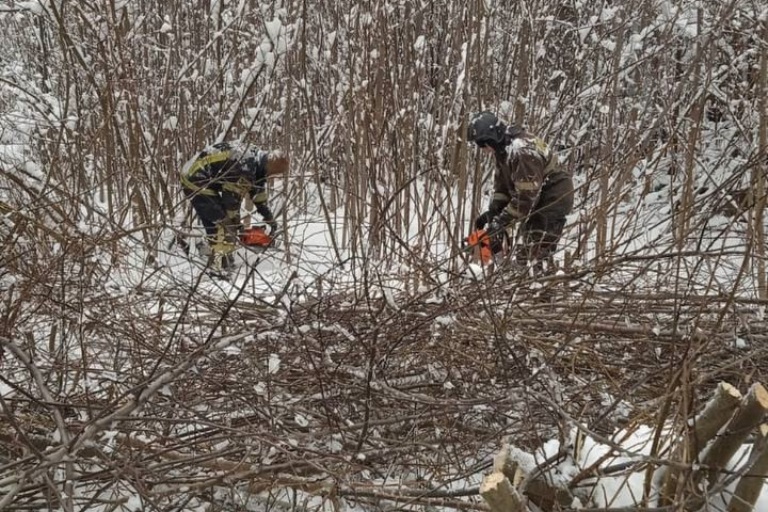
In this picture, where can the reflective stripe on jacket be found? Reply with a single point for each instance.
(204, 170)
(226, 168)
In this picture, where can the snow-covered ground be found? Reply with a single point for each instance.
(323, 376)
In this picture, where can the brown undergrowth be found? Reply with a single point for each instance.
(399, 401)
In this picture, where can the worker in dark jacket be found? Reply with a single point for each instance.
(217, 180)
(530, 189)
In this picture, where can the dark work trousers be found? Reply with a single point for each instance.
(212, 209)
(542, 229)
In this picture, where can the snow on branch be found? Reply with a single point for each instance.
(712, 465)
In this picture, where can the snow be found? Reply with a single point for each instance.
(641, 226)
(274, 363)
(445, 320)
(420, 44)
(35, 7)
(276, 34)
(740, 343)
(301, 420)
(633, 446)
(171, 123)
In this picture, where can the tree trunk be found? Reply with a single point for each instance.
(500, 495)
(715, 414)
(750, 415)
(759, 174)
(751, 483)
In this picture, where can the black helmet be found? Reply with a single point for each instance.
(252, 164)
(485, 129)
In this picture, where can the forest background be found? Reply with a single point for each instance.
(657, 107)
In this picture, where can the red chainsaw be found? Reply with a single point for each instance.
(256, 236)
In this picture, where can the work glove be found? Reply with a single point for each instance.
(483, 219)
(497, 231)
(504, 219)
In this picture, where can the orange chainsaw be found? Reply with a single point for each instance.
(256, 236)
(479, 243)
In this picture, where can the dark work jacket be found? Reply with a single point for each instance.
(529, 180)
(227, 168)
